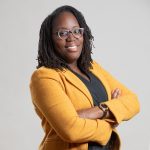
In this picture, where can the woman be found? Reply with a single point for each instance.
(79, 103)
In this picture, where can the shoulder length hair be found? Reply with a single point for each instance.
(46, 53)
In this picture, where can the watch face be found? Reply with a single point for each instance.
(104, 106)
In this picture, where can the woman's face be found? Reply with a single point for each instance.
(70, 48)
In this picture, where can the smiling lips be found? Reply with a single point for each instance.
(71, 48)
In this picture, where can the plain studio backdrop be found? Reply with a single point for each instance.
(121, 30)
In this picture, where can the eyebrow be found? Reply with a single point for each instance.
(58, 28)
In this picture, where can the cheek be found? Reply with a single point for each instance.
(58, 44)
(81, 42)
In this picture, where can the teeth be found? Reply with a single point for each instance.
(72, 47)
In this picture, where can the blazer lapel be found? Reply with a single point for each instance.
(74, 80)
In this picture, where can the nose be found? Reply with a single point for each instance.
(70, 37)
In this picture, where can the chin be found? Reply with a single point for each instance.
(73, 56)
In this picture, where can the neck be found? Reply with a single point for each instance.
(73, 66)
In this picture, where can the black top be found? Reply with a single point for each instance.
(99, 94)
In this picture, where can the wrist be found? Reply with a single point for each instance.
(104, 109)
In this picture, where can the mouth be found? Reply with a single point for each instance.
(71, 48)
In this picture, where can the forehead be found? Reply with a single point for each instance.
(65, 20)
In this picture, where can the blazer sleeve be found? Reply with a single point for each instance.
(124, 107)
(49, 96)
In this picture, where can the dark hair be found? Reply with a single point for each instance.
(46, 53)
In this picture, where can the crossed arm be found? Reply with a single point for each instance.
(96, 112)
(76, 127)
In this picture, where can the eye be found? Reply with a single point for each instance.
(77, 31)
(63, 33)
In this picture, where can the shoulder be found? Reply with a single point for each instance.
(96, 65)
(44, 72)
(98, 68)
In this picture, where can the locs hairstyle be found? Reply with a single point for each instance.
(46, 53)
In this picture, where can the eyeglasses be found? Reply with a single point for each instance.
(64, 33)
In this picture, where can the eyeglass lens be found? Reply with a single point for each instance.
(76, 32)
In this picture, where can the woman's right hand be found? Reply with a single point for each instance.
(115, 93)
(95, 112)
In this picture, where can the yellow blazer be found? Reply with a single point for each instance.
(57, 95)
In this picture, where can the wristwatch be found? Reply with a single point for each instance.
(104, 108)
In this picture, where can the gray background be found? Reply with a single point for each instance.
(122, 46)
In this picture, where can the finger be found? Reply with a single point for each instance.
(116, 93)
(116, 90)
(112, 92)
(119, 92)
